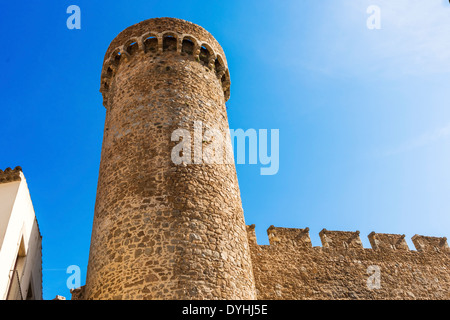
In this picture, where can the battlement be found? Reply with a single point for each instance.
(10, 175)
(430, 244)
(155, 37)
(289, 268)
(77, 294)
(289, 236)
(384, 241)
(338, 240)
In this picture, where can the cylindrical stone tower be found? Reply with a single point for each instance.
(164, 230)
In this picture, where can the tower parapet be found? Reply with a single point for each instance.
(156, 36)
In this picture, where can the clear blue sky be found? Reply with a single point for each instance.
(363, 114)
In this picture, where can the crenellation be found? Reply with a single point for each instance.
(289, 237)
(332, 271)
(77, 294)
(296, 237)
(251, 235)
(340, 239)
(430, 244)
(384, 241)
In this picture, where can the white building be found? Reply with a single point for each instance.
(20, 240)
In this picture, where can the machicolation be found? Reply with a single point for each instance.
(154, 43)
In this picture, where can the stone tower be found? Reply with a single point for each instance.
(162, 230)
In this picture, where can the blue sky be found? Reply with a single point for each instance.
(363, 114)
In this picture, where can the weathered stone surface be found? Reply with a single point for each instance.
(338, 271)
(340, 239)
(430, 244)
(289, 237)
(167, 231)
(384, 241)
(161, 230)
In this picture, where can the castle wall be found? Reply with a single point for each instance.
(166, 230)
(290, 268)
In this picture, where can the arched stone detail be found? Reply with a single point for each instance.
(124, 53)
(175, 35)
(160, 43)
(206, 53)
(219, 66)
(195, 42)
(129, 46)
(185, 44)
(147, 36)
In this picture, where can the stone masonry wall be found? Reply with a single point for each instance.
(290, 268)
(163, 230)
(176, 231)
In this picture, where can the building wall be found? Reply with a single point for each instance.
(8, 192)
(290, 268)
(21, 238)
